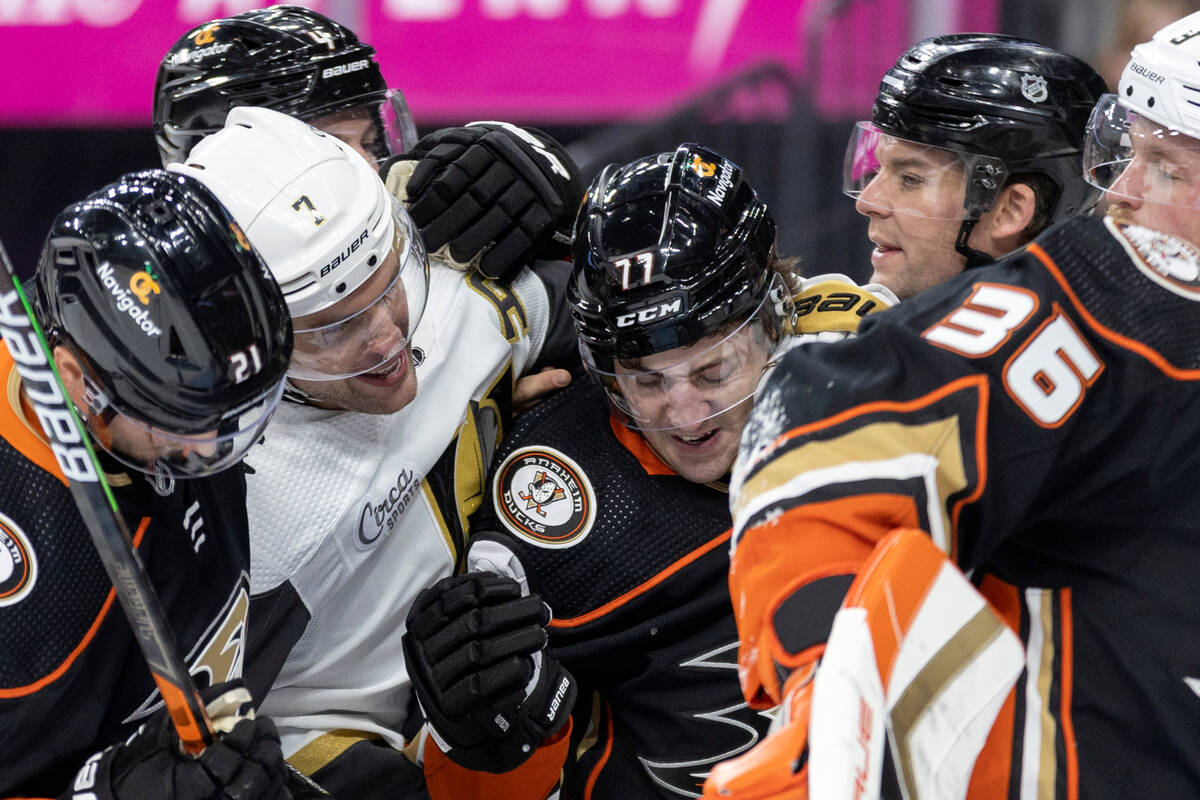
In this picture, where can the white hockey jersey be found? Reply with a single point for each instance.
(352, 514)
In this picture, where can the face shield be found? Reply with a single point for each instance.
(373, 325)
(1138, 162)
(377, 125)
(682, 388)
(153, 450)
(887, 174)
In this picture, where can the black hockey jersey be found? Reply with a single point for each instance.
(72, 679)
(1038, 417)
(633, 560)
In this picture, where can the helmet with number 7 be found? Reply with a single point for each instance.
(288, 58)
(181, 335)
(346, 254)
(998, 108)
(673, 255)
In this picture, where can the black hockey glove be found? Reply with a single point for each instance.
(243, 763)
(489, 196)
(475, 651)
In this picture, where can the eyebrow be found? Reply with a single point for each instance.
(1156, 151)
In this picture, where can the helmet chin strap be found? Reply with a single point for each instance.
(975, 258)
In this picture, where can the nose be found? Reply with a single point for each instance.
(386, 332)
(686, 405)
(869, 202)
(1128, 190)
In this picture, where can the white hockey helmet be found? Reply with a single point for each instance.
(326, 226)
(1156, 107)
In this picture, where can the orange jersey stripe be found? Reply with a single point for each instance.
(643, 588)
(633, 441)
(608, 744)
(1147, 352)
(38, 685)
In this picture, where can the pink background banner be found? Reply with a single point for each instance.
(92, 62)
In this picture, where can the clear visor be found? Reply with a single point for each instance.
(899, 176)
(377, 126)
(153, 450)
(684, 387)
(1137, 161)
(368, 330)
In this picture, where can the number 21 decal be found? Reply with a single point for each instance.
(1050, 371)
(246, 363)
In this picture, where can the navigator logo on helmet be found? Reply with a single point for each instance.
(288, 58)
(669, 250)
(1000, 109)
(348, 231)
(186, 383)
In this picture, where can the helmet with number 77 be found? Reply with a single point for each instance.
(673, 254)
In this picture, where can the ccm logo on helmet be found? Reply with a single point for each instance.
(345, 254)
(344, 69)
(650, 314)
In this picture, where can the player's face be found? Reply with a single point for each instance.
(692, 402)
(1160, 185)
(914, 202)
(355, 127)
(372, 326)
(146, 445)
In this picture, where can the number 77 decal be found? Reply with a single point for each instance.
(1051, 370)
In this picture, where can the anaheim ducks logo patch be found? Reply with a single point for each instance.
(18, 565)
(544, 497)
(1167, 260)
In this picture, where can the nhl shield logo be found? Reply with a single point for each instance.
(543, 497)
(1034, 88)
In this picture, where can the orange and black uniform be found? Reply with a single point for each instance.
(1038, 417)
(72, 679)
(632, 559)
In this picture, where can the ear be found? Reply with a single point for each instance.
(71, 373)
(1010, 216)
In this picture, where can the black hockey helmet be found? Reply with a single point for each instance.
(287, 58)
(669, 249)
(178, 327)
(1016, 107)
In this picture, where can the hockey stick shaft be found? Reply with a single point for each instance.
(77, 459)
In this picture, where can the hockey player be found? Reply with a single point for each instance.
(172, 342)
(486, 196)
(609, 500)
(1003, 413)
(973, 148)
(1143, 146)
(402, 378)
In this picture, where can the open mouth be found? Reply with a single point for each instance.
(698, 439)
(390, 372)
